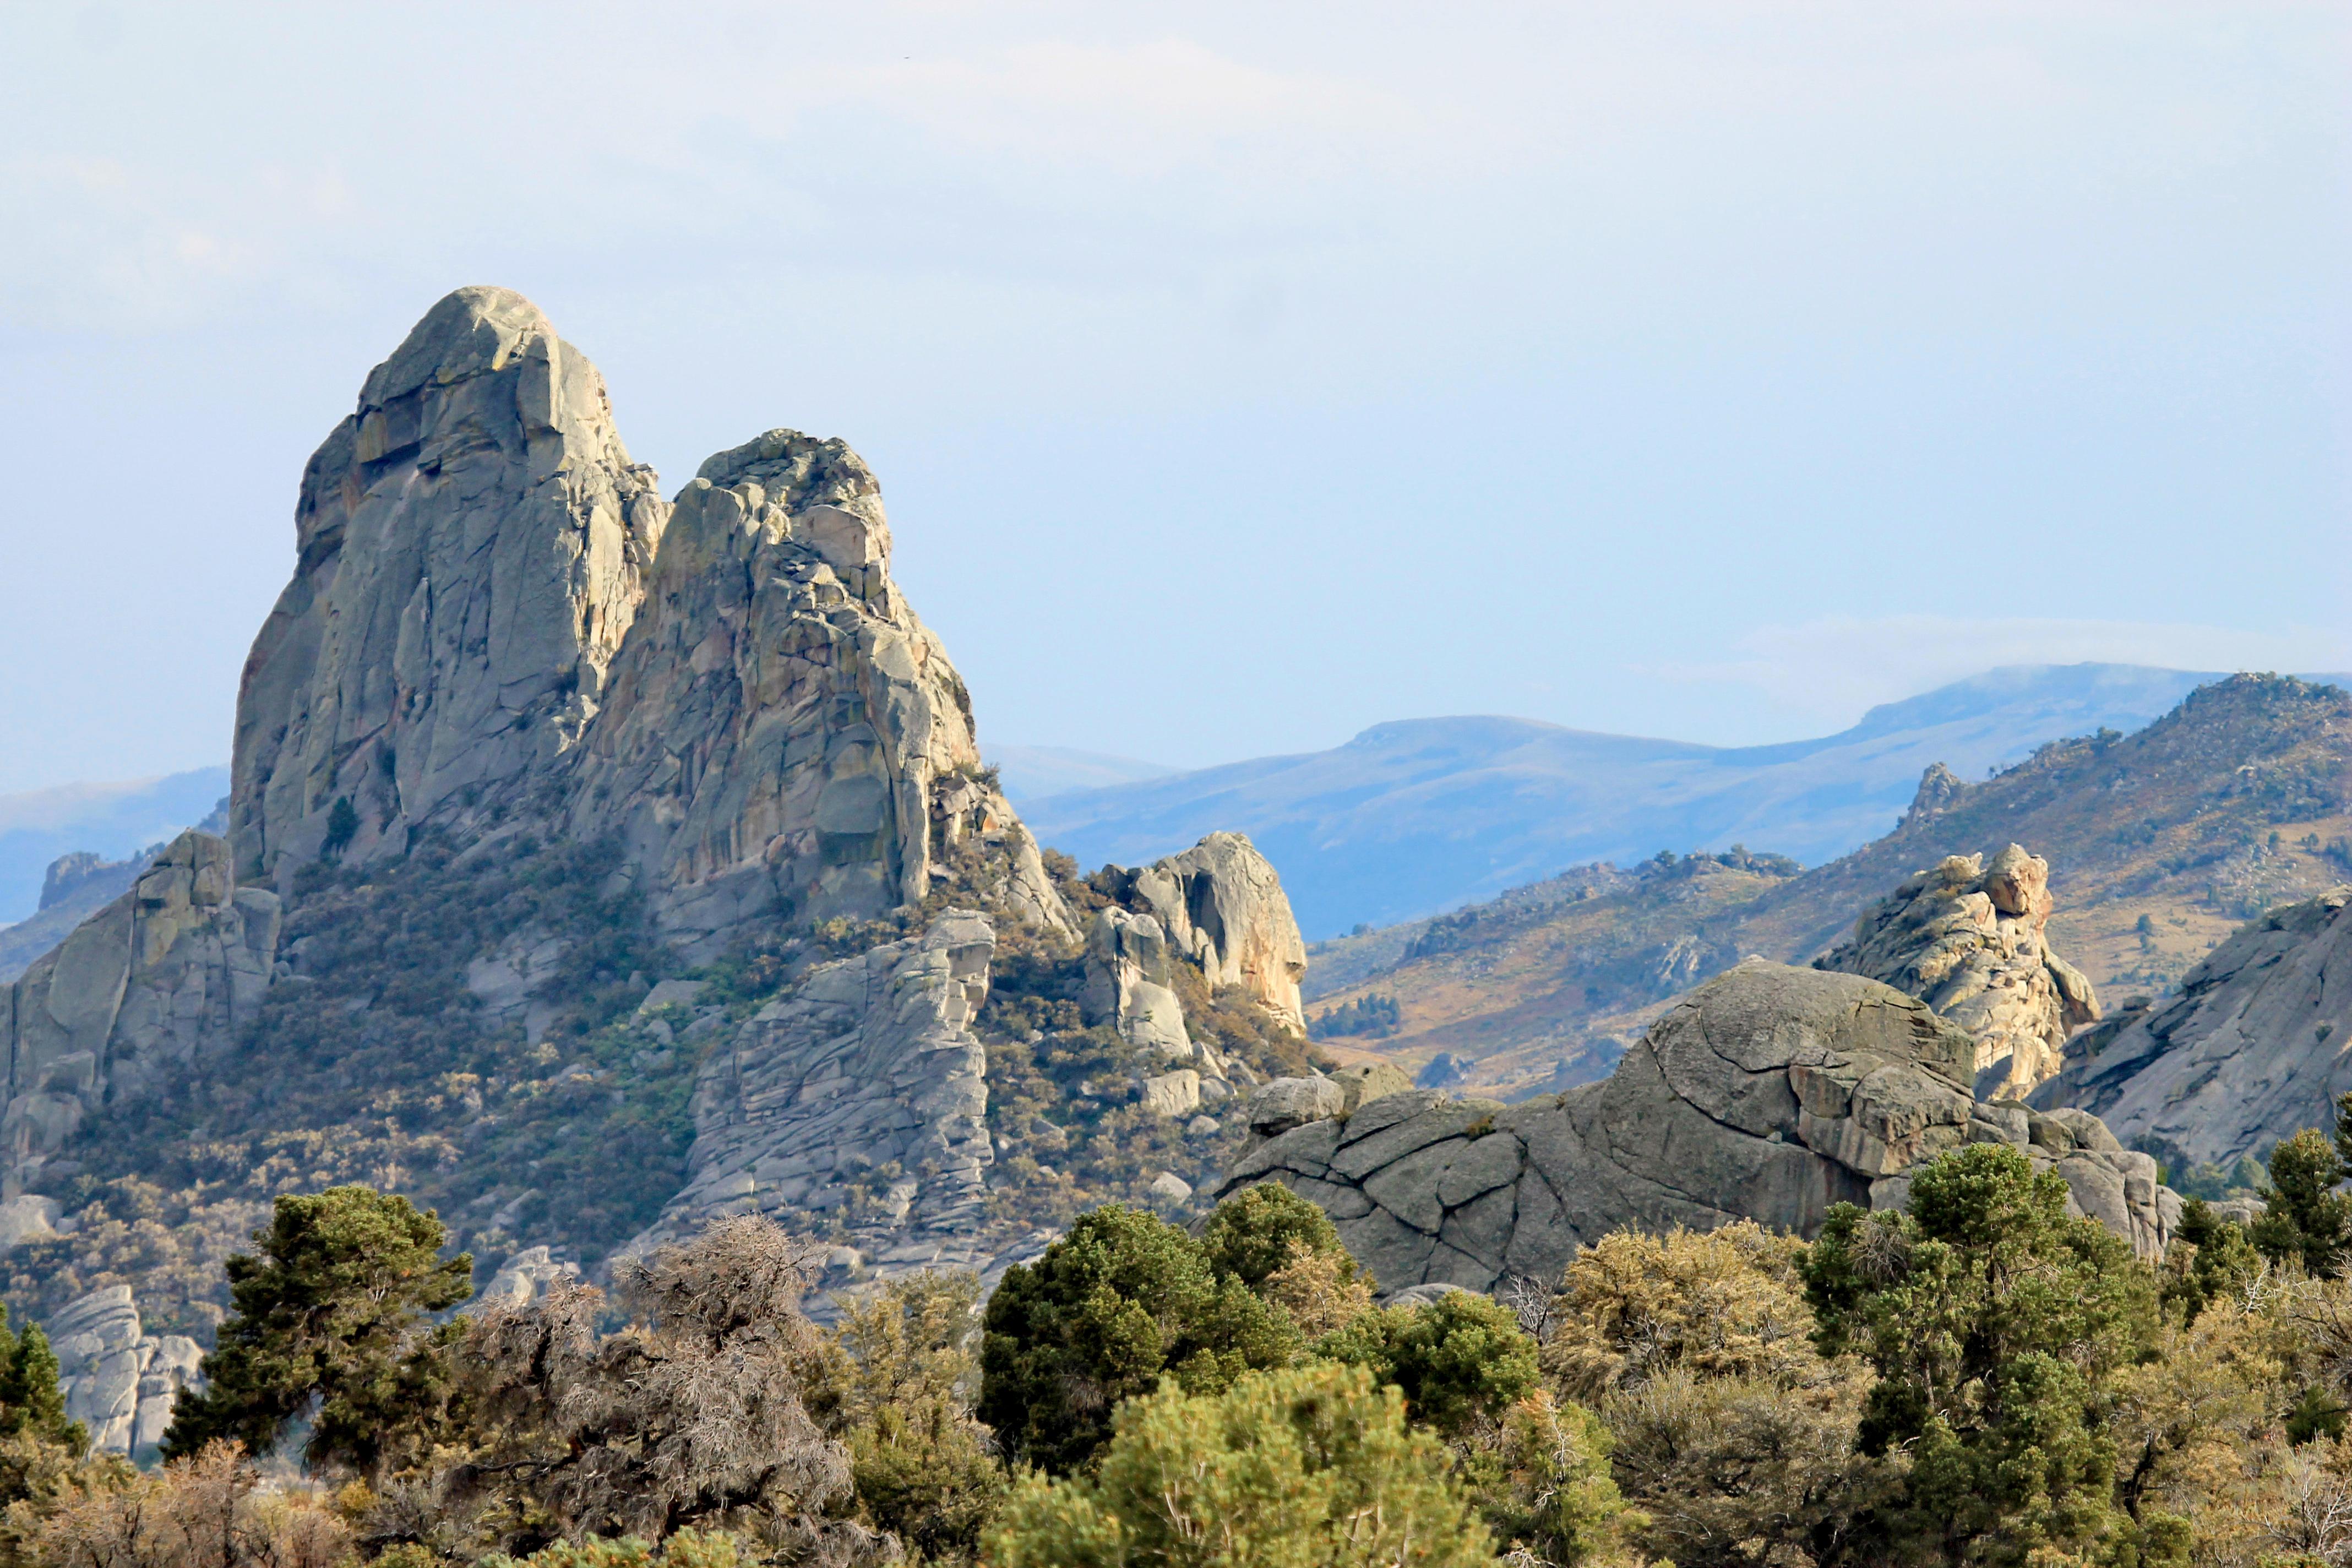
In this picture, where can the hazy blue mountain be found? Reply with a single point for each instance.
(115, 819)
(1419, 815)
(1029, 773)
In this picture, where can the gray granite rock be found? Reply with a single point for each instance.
(472, 544)
(1769, 1093)
(780, 734)
(1128, 982)
(1220, 904)
(1971, 941)
(861, 1097)
(117, 1380)
(2251, 1051)
(170, 969)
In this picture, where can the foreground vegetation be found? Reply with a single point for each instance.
(1978, 1379)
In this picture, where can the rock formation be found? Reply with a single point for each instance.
(1220, 905)
(118, 1380)
(471, 546)
(860, 1097)
(2251, 1051)
(1769, 1093)
(1969, 940)
(780, 734)
(1128, 983)
(180, 960)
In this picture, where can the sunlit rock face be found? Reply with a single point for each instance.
(1973, 941)
(780, 732)
(471, 549)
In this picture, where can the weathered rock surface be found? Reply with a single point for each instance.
(2251, 1050)
(1220, 904)
(862, 1096)
(178, 961)
(1770, 1093)
(1129, 985)
(1971, 940)
(117, 1380)
(471, 549)
(780, 734)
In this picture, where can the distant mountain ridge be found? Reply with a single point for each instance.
(114, 818)
(2159, 843)
(1419, 815)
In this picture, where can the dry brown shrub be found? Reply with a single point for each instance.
(1320, 1291)
(692, 1415)
(1718, 1303)
(208, 1511)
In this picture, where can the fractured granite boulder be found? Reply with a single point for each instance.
(1220, 904)
(862, 1096)
(118, 1380)
(1769, 1093)
(2251, 1051)
(1971, 941)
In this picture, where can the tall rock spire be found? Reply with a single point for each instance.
(780, 734)
(472, 545)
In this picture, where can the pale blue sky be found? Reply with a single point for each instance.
(1238, 376)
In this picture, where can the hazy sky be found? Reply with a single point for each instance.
(1239, 376)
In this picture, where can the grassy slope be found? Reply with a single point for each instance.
(2173, 822)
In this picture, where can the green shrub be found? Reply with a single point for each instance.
(1294, 1469)
(1459, 1360)
(1121, 1301)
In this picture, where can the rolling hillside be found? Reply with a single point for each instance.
(1412, 817)
(2239, 799)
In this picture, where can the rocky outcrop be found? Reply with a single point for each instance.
(1971, 940)
(118, 1380)
(2251, 1051)
(1939, 787)
(1220, 904)
(471, 547)
(1128, 986)
(780, 734)
(1770, 1093)
(861, 1098)
(178, 961)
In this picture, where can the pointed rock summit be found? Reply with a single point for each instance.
(780, 733)
(1973, 941)
(471, 549)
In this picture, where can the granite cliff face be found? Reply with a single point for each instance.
(2250, 1051)
(1971, 941)
(524, 747)
(862, 1096)
(1770, 1093)
(1222, 905)
(118, 1380)
(471, 547)
(780, 734)
(176, 964)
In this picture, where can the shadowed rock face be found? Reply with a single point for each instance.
(2252, 1050)
(472, 544)
(176, 964)
(1971, 940)
(1770, 1093)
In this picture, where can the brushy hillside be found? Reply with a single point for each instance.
(2160, 843)
(564, 1118)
